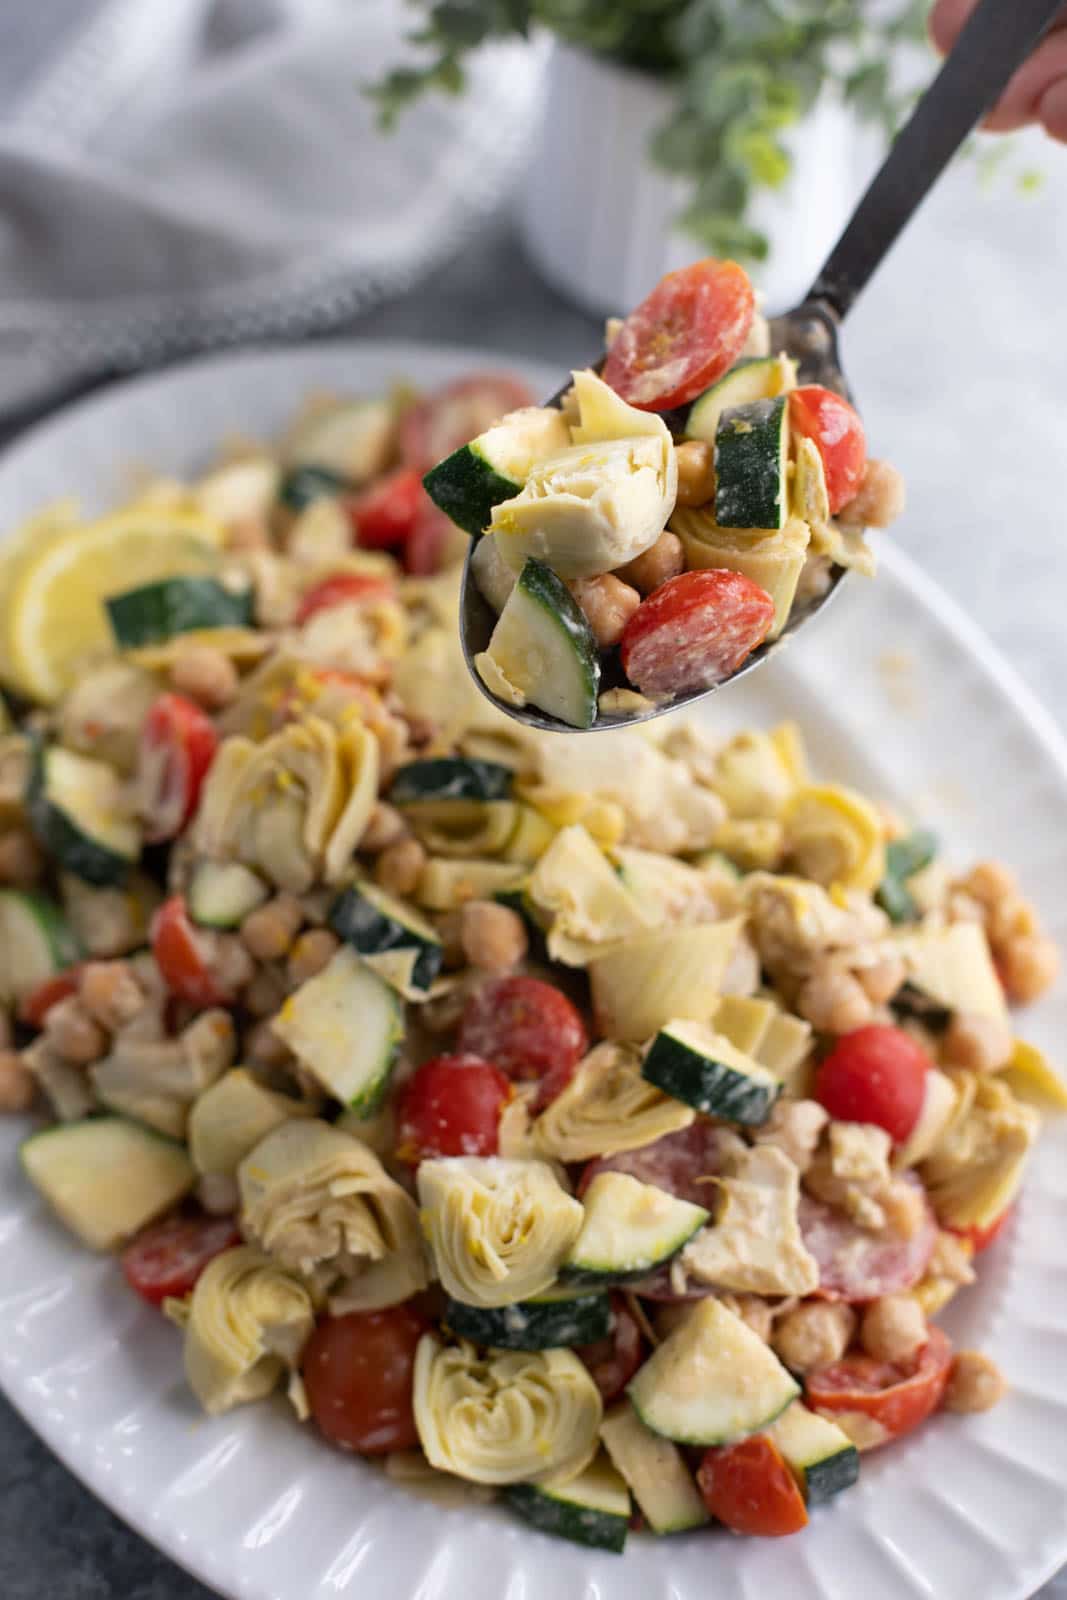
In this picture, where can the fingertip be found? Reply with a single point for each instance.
(1052, 110)
(946, 21)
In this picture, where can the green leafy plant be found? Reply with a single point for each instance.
(742, 73)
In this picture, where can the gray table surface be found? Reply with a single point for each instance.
(958, 356)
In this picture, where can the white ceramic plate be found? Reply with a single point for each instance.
(896, 692)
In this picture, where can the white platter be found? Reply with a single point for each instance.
(896, 691)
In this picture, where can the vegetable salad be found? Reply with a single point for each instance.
(658, 525)
(599, 1125)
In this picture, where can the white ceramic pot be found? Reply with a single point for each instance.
(597, 217)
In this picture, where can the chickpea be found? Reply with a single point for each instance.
(267, 933)
(975, 1383)
(264, 1047)
(217, 1192)
(981, 1044)
(205, 675)
(248, 533)
(834, 1002)
(449, 925)
(1028, 966)
(399, 866)
(21, 860)
(696, 472)
(990, 882)
(232, 965)
(881, 982)
(893, 1328)
(903, 1208)
(17, 1083)
(310, 954)
(754, 1312)
(608, 604)
(110, 993)
(665, 559)
(814, 1334)
(386, 827)
(493, 937)
(73, 1033)
(880, 499)
(266, 991)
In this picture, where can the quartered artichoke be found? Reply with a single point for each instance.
(322, 1204)
(248, 1321)
(505, 1416)
(498, 1229)
(583, 902)
(754, 1245)
(293, 807)
(607, 1107)
(157, 1080)
(974, 1171)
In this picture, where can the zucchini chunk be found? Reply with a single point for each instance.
(819, 1454)
(751, 465)
(107, 1177)
(394, 941)
(559, 1318)
(35, 943)
(543, 649)
(450, 778)
(445, 885)
(757, 378)
(351, 440)
(700, 1067)
(304, 485)
(630, 1229)
(493, 467)
(652, 1466)
(156, 612)
(345, 1026)
(75, 810)
(592, 1509)
(903, 858)
(712, 1382)
(222, 893)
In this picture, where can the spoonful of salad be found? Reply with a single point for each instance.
(672, 516)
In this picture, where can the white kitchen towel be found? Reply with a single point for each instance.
(192, 172)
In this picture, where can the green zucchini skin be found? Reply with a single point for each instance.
(304, 485)
(466, 488)
(546, 1324)
(708, 1085)
(600, 1530)
(751, 445)
(450, 778)
(824, 1479)
(365, 920)
(60, 837)
(156, 612)
(903, 857)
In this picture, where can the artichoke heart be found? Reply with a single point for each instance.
(974, 1171)
(600, 502)
(752, 776)
(498, 1229)
(293, 807)
(607, 1107)
(835, 836)
(505, 1416)
(587, 906)
(321, 1203)
(248, 1321)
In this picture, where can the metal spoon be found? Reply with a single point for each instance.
(998, 37)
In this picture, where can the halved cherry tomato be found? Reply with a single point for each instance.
(35, 1006)
(451, 1107)
(748, 1487)
(613, 1361)
(382, 516)
(183, 956)
(357, 1372)
(897, 1395)
(457, 413)
(165, 1259)
(528, 1029)
(178, 744)
(694, 631)
(875, 1074)
(980, 1239)
(342, 589)
(683, 337)
(822, 416)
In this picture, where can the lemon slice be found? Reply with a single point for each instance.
(835, 836)
(20, 546)
(55, 618)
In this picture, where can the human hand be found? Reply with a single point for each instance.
(1037, 92)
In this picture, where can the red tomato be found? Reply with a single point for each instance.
(426, 543)
(876, 1074)
(383, 515)
(166, 1258)
(451, 1107)
(694, 631)
(455, 414)
(528, 1028)
(35, 1006)
(683, 337)
(748, 1487)
(357, 1372)
(178, 744)
(822, 416)
(613, 1361)
(344, 588)
(183, 954)
(898, 1395)
(981, 1238)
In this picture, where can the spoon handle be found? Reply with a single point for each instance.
(996, 40)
